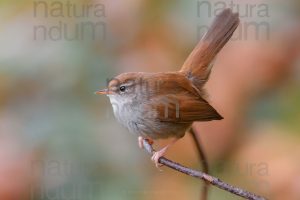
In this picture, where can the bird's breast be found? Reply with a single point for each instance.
(127, 112)
(141, 121)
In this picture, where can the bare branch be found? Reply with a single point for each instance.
(200, 175)
(204, 162)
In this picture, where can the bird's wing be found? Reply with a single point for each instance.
(182, 108)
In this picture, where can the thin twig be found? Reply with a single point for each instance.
(200, 175)
(204, 162)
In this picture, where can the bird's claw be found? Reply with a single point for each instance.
(140, 142)
(155, 158)
(156, 155)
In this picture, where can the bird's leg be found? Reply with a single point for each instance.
(156, 155)
(140, 141)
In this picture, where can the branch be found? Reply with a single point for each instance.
(200, 175)
(203, 160)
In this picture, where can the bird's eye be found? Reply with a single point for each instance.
(122, 88)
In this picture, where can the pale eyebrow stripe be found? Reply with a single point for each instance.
(130, 83)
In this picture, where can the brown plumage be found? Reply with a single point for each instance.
(199, 63)
(165, 104)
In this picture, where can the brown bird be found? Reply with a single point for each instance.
(165, 104)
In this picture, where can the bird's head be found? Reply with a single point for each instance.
(122, 86)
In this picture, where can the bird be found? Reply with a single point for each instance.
(165, 104)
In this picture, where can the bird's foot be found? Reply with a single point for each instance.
(156, 155)
(140, 141)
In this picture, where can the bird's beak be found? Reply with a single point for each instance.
(104, 91)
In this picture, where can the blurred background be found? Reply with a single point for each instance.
(60, 141)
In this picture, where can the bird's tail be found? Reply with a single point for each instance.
(198, 64)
